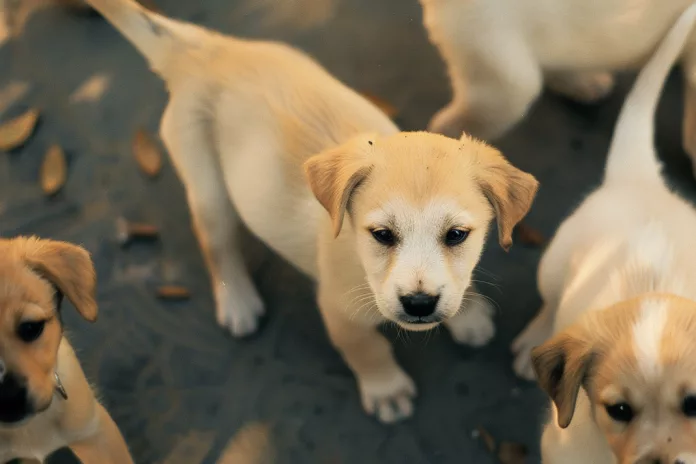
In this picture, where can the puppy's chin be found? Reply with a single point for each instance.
(410, 323)
(419, 327)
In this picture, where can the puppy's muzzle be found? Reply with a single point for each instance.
(14, 399)
(419, 308)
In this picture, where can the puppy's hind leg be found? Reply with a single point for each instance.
(493, 88)
(216, 223)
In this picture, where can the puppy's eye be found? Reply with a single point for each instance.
(384, 236)
(31, 330)
(689, 406)
(455, 236)
(620, 412)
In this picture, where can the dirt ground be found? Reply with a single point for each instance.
(178, 386)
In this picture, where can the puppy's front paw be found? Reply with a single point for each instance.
(238, 310)
(388, 397)
(536, 333)
(473, 326)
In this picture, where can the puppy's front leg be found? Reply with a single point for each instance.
(385, 389)
(105, 446)
(473, 325)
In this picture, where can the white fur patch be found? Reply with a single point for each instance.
(647, 336)
(687, 458)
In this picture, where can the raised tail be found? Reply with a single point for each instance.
(158, 38)
(632, 154)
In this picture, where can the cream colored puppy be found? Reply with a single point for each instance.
(243, 121)
(622, 379)
(46, 402)
(500, 52)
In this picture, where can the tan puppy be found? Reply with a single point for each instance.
(628, 248)
(500, 52)
(45, 400)
(243, 121)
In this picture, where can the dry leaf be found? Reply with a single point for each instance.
(386, 107)
(128, 231)
(173, 292)
(512, 453)
(54, 170)
(16, 132)
(529, 236)
(142, 230)
(487, 439)
(251, 445)
(147, 153)
(191, 448)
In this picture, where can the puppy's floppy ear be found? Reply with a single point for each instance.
(509, 190)
(561, 366)
(68, 267)
(334, 174)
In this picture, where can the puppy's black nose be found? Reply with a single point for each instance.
(419, 304)
(14, 399)
(12, 387)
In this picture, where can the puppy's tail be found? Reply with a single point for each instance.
(632, 156)
(158, 38)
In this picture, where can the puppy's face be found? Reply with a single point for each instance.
(637, 363)
(34, 274)
(420, 206)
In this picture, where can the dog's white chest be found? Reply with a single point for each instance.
(35, 440)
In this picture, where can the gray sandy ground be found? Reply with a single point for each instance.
(179, 386)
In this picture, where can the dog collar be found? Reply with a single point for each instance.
(59, 387)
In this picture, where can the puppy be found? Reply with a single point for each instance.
(628, 248)
(258, 132)
(45, 400)
(499, 53)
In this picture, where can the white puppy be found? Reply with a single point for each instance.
(628, 248)
(500, 52)
(243, 121)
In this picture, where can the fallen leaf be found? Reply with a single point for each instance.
(512, 453)
(127, 231)
(191, 448)
(54, 170)
(173, 292)
(251, 445)
(142, 230)
(15, 132)
(487, 439)
(386, 107)
(147, 153)
(92, 89)
(529, 236)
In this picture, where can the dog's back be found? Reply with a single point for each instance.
(633, 225)
(316, 110)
